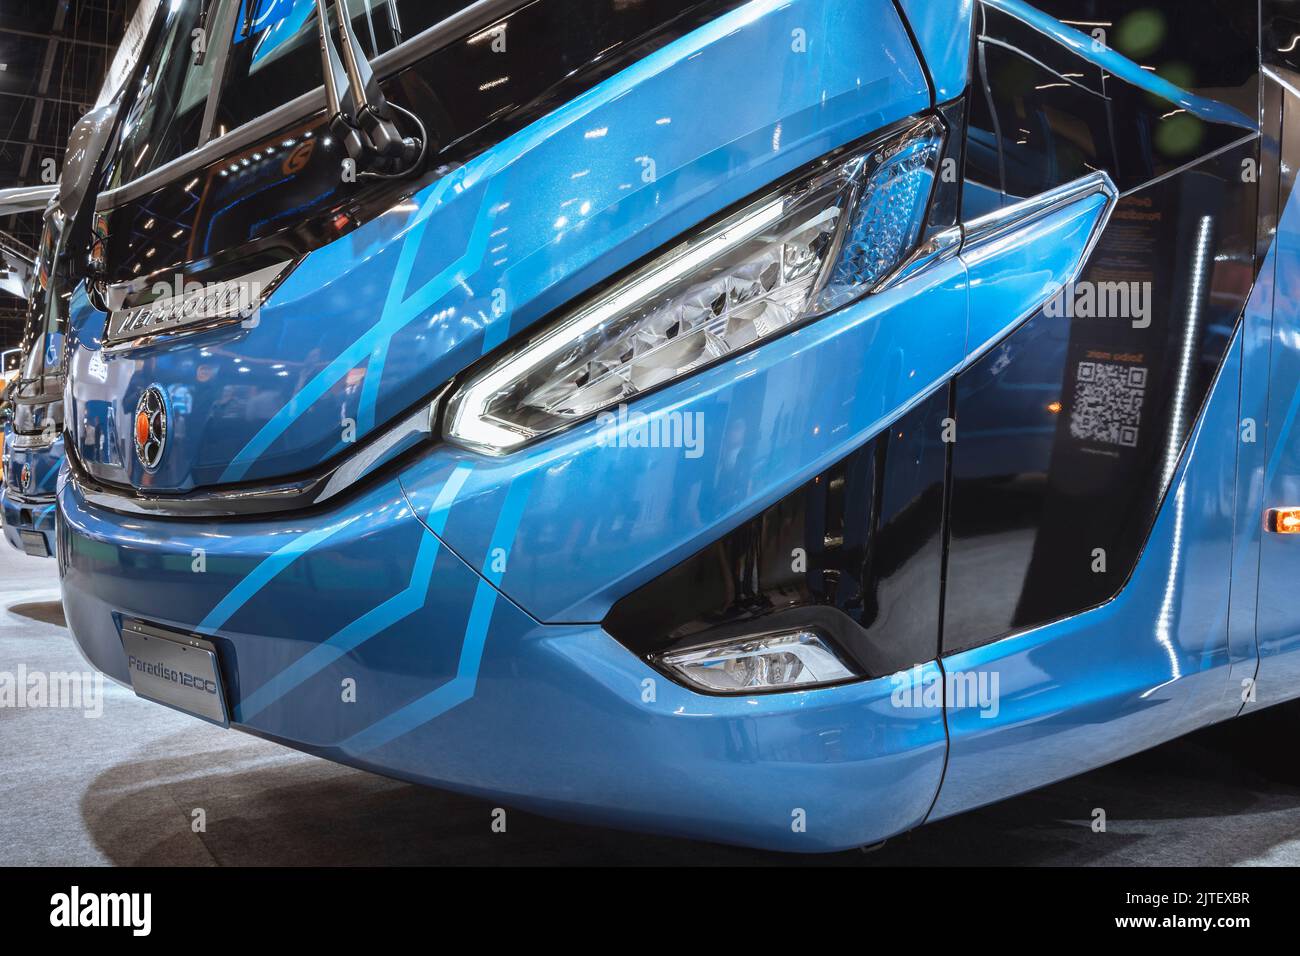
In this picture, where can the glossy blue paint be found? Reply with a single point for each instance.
(397, 307)
(1149, 665)
(599, 522)
(458, 687)
(577, 552)
(1012, 277)
(1277, 633)
(1257, 344)
(944, 32)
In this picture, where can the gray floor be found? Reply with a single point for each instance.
(122, 789)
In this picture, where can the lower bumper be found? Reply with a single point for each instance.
(29, 522)
(359, 636)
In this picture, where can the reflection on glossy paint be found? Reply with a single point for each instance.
(1165, 622)
(1191, 337)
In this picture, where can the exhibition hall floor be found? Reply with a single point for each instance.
(123, 788)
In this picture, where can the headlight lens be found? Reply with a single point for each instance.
(810, 247)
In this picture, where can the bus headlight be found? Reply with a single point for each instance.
(827, 238)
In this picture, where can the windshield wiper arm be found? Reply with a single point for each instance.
(360, 115)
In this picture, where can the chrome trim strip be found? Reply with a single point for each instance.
(466, 23)
(985, 234)
(1249, 137)
(16, 247)
(35, 501)
(989, 228)
(199, 307)
(939, 248)
(225, 35)
(267, 498)
(22, 199)
(355, 468)
(39, 441)
(1280, 80)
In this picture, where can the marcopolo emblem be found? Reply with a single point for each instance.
(189, 306)
(151, 427)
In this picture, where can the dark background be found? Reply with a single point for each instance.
(53, 57)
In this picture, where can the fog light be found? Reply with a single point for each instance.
(784, 661)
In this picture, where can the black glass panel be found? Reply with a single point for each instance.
(290, 198)
(1069, 431)
(858, 549)
(168, 104)
(275, 51)
(1043, 115)
(1051, 129)
(1208, 47)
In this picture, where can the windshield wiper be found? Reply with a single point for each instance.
(360, 116)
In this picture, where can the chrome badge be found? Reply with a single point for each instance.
(25, 478)
(190, 306)
(150, 427)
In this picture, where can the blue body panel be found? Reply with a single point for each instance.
(1257, 346)
(1278, 629)
(413, 297)
(30, 507)
(456, 686)
(944, 32)
(576, 552)
(598, 524)
(1026, 267)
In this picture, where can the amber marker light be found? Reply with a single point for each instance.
(1283, 520)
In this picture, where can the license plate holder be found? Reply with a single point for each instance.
(34, 544)
(175, 669)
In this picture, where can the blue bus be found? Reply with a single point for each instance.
(31, 414)
(452, 394)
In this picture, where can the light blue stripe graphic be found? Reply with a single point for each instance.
(370, 387)
(401, 309)
(461, 687)
(398, 312)
(400, 605)
(451, 694)
(262, 575)
(406, 602)
(441, 506)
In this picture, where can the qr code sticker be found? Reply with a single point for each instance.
(1108, 403)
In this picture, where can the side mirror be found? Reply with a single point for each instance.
(86, 143)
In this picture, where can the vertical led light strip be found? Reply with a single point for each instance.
(1195, 304)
